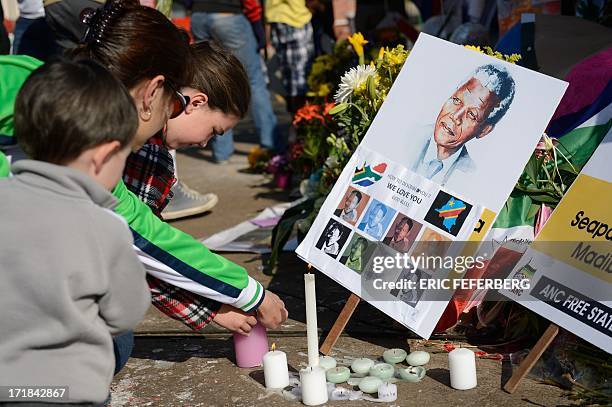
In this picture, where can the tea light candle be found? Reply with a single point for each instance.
(314, 385)
(462, 367)
(362, 365)
(383, 371)
(387, 392)
(393, 356)
(276, 371)
(327, 362)
(312, 333)
(338, 374)
(413, 374)
(370, 384)
(418, 358)
(249, 350)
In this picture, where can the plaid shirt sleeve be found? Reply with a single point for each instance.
(191, 309)
(149, 174)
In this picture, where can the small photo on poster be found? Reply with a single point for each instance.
(431, 245)
(448, 213)
(376, 219)
(357, 253)
(333, 238)
(409, 295)
(352, 205)
(402, 233)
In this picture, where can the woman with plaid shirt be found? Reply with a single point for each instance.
(219, 96)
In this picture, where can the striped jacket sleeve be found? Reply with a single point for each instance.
(179, 259)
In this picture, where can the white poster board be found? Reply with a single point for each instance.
(569, 265)
(436, 165)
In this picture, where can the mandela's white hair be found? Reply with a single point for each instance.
(497, 80)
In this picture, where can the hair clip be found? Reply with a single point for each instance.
(99, 19)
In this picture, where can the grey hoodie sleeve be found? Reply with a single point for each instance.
(128, 297)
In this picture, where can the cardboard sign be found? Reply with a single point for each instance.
(569, 265)
(432, 172)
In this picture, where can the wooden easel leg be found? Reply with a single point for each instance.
(340, 324)
(531, 359)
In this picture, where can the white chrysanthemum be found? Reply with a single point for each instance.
(352, 80)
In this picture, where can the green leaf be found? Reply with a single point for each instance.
(567, 167)
(533, 211)
(371, 86)
(282, 231)
(532, 168)
(339, 108)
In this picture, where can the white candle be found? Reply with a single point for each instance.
(276, 371)
(314, 385)
(311, 320)
(387, 392)
(462, 367)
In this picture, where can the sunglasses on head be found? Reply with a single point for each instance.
(179, 101)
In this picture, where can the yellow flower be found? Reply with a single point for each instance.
(397, 56)
(322, 91)
(473, 48)
(357, 41)
(513, 59)
(495, 54)
(381, 53)
(256, 155)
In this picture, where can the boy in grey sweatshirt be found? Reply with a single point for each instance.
(70, 279)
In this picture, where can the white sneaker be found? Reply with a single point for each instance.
(187, 202)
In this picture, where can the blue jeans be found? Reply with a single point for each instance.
(122, 345)
(234, 32)
(33, 37)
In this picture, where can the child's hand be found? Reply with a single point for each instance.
(235, 320)
(272, 311)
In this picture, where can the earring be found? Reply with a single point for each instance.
(146, 114)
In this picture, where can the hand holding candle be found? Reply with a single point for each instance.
(276, 371)
(272, 312)
(235, 320)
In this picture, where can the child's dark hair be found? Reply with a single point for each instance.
(67, 107)
(136, 43)
(221, 76)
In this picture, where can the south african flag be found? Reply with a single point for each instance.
(366, 175)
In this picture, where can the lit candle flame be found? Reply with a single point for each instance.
(273, 347)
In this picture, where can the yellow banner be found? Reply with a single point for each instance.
(583, 220)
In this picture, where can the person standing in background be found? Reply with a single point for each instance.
(291, 36)
(184, 201)
(344, 18)
(225, 22)
(5, 42)
(32, 35)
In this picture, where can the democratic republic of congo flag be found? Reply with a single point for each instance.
(450, 212)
